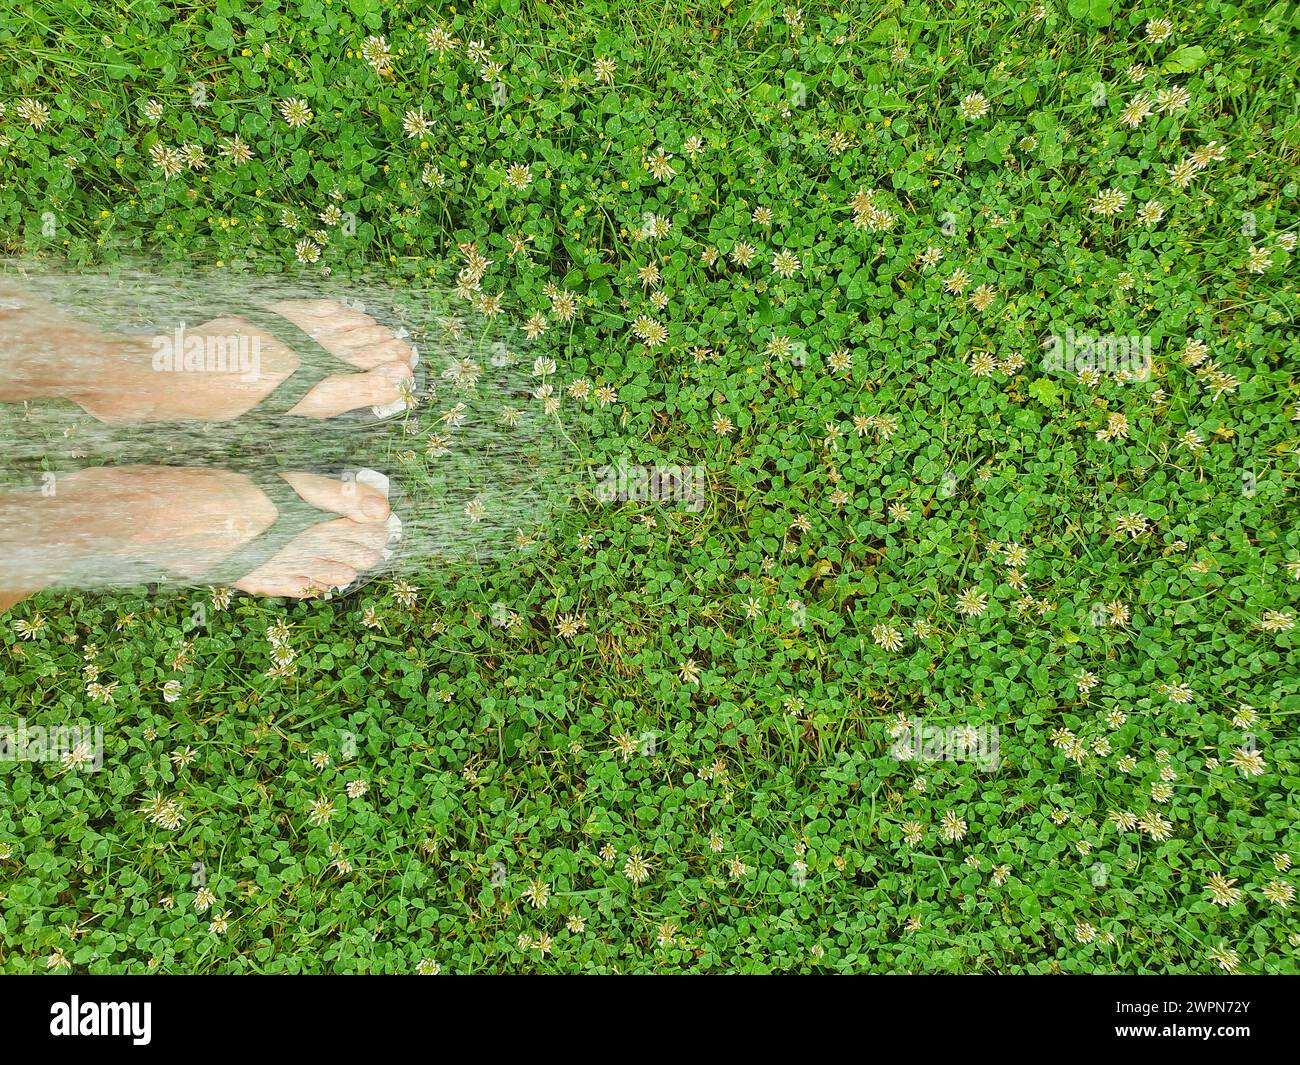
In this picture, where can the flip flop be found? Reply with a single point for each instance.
(294, 517)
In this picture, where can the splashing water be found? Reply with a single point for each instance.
(476, 464)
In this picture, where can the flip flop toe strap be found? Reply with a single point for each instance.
(294, 516)
(315, 363)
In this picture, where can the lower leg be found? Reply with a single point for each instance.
(34, 532)
(107, 526)
(102, 526)
(119, 378)
(49, 355)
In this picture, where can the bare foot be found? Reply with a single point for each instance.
(126, 380)
(107, 521)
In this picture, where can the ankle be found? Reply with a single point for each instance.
(104, 366)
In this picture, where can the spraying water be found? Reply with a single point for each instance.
(472, 468)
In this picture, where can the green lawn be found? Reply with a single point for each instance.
(814, 258)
